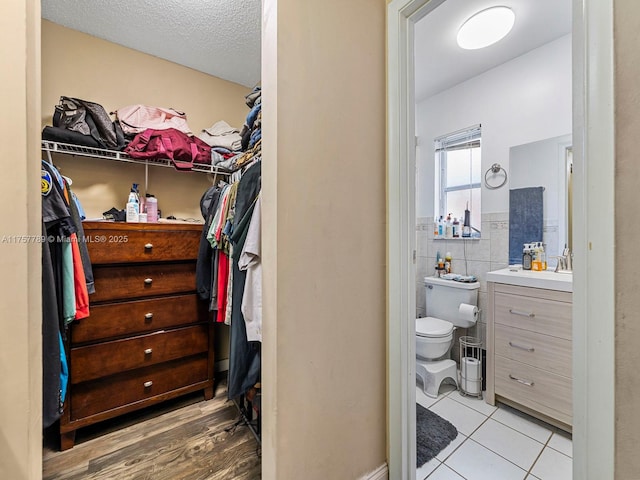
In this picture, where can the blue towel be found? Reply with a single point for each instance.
(525, 220)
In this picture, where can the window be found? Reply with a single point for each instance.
(457, 160)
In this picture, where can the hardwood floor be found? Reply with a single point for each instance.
(184, 439)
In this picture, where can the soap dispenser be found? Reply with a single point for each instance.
(527, 259)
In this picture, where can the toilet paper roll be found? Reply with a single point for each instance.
(468, 313)
(470, 368)
(471, 376)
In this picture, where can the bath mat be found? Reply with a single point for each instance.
(433, 434)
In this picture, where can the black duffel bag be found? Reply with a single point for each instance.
(85, 118)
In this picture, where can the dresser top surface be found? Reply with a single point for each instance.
(163, 225)
(547, 279)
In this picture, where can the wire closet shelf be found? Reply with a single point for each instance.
(104, 154)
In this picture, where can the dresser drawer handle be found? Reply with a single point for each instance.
(148, 281)
(148, 316)
(147, 384)
(515, 345)
(521, 313)
(148, 246)
(519, 380)
(148, 351)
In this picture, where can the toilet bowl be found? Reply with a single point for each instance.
(433, 338)
(434, 333)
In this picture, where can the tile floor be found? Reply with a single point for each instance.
(494, 443)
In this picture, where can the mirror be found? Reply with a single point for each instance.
(547, 163)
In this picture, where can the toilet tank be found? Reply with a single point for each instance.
(445, 296)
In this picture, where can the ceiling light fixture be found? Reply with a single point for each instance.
(486, 28)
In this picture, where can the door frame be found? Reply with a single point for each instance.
(593, 286)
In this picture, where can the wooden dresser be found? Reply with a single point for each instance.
(529, 351)
(148, 337)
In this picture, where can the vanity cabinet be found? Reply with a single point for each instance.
(529, 351)
(148, 337)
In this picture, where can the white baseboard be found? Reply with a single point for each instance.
(380, 473)
(221, 366)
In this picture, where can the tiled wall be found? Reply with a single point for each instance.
(491, 252)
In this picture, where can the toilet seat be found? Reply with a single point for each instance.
(431, 327)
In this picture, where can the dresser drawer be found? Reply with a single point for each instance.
(122, 282)
(138, 316)
(539, 315)
(108, 358)
(545, 392)
(548, 353)
(91, 398)
(141, 244)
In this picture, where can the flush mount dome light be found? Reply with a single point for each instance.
(486, 28)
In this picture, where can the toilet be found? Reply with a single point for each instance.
(434, 333)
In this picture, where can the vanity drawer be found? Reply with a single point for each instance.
(542, 391)
(548, 353)
(116, 282)
(108, 358)
(108, 245)
(91, 398)
(539, 315)
(138, 316)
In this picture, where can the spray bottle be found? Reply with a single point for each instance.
(133, 205)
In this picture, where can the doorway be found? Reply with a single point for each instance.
(402, 18)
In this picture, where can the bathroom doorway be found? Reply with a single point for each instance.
(402, 19)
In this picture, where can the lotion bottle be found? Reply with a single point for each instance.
(448, 228)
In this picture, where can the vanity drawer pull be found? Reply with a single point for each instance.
(515, 345)
(148, 281)
(148, 316)
(147, 384)
(148, 246)
(519, 380)
(148, 351)
(521, 313)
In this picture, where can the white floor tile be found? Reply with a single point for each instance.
(508, 443)
(531, 477)
(447, 389)
(423, 399)
(553, 465)
(424, 471)
(474, 462)
(465, 419)
(473, 402)
(522, 423)
(456, 442)
(444, 473)
(561, 441)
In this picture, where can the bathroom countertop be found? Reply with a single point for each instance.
(547, 279)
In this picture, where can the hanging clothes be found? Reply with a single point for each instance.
(250, 261)
(244, 356)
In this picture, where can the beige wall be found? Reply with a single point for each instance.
(79, 65)
(20, 264)
(627, 178)
(324, 361)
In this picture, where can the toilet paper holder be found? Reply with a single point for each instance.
(470, 383)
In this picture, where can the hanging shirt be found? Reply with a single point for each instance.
(251, 262)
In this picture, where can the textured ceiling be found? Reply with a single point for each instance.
(441, 64)
(218, 37)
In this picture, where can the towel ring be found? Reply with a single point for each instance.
(495, 169)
